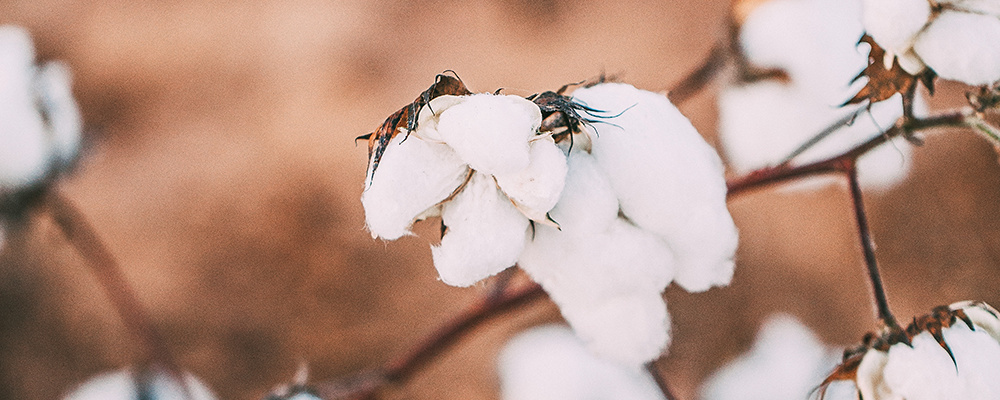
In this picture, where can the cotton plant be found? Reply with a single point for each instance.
(603, 210)
(815, 44)
(39, 121)
(551, 363)
(786, 362)
(149, 383)
(956, 39)
(953, 353)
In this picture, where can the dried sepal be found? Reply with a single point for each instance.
(378, 140)
(886, 77)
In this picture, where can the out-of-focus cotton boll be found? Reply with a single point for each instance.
(962, 46)
(414, 175)
(485, 234)
(125, 385)
(667, 178)
(490, 133)
(24, 148)
(54, 87)
(894, 23)
(815, 41)
(787, 362)
(550, 363)
(605, 274)
(954, 40)
(536, 189)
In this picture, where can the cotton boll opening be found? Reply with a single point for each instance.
(429, 114)
(490, 133)
(926, 371)
(894, 23)
(485, 234)
(536, 189)
(962, 46)
(413, 176)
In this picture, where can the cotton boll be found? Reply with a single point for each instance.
(536, 189)
(962, 46)
(786, 362)
(413, 176)
(123, 385)
(24, 152)
(429, 114)
(629, 330)
(485, 234)
(925, 371)
(894, 23)
(587, 203)
(54, 86)
(490, 133)
(870, 379)
(668, 180)
(550, 363)
(990, 7)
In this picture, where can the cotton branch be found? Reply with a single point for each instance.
(108, 272)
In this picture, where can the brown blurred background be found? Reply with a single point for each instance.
(222, 172)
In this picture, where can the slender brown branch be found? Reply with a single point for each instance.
(868, 247)
(366, 384)
(109, 274)
(695, 81)
(661, 381)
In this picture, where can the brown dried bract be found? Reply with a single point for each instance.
(940, 317)
(884, 83)
(378, 140)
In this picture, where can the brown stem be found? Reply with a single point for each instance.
(694, 82)
(109, 274)
(868, 247)
(661, 381)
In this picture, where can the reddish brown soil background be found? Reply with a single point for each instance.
(222, 172)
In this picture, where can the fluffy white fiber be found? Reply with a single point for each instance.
(24, 147)
(787, 362)
(815, 42)
(668, 180)
(53, 85)
(121, 385)
(490, 133)
(958, 43)
(535, 190)
(550, 363)
(414, 175)
(485, 234)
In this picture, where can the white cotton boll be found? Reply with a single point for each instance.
(787, 362)
(962, 46)
(870, 379)
(667, 178)
(427, 117)
(991, 7)
(587, 203)
(536, 189)
(122, 385)
(630, 330)
(550, 363)
(490, 133)
(982, 315)
(23, 147)
(413, 176)
(894, 23)
(926, 372)
(54, 85)
(485, 234)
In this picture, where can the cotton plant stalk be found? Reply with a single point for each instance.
(604, 212)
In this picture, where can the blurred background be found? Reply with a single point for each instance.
(221, 170)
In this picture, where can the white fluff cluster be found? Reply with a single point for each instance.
(815, 42)
(550, 363)
(955, 38)
(640, 201)
(787, 362)
(925, 371)
(39, 120)
(125, 385)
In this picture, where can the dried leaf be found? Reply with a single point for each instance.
(378, 140)
(884, 83)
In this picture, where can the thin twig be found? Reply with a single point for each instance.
(661, 381)
(694, 82)
(868, 247)
(109, 274)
